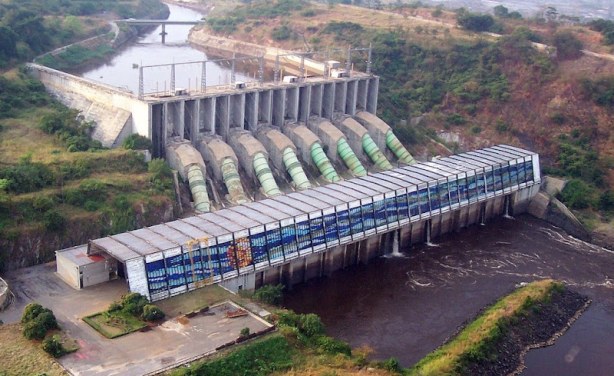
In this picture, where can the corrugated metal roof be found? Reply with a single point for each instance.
(171, 233)
(155, 239)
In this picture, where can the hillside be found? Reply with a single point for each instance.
(467, 89)
(58, 187)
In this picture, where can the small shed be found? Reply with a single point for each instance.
(80, 270)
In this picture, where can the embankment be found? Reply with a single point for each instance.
(495, 343)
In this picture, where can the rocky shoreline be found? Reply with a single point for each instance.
(538, 326)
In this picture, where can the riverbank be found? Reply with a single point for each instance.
(84, 55)
(495, 343)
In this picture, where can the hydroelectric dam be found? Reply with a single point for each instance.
(291, 179)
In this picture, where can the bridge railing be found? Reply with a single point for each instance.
(203, 75)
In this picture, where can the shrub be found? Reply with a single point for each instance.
(270, 294)
(606, 200)
(281, 33)
(161, 174)
(42, 203)
(37, 321)
(475, 22)
(54, 221)
(311, 325)
(27, 176)
(567, 45)
(31, 311)
(152, 313)
(244, 332)
(308, 13)
(53, 346)
(392, 365)
(34, 330)
(333, 346)
(47, 320)
(134, 303)
(114, 307)
(577, 194)
(455, 119)
(137, 142)
(502, 126)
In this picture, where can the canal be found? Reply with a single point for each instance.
(404, 307)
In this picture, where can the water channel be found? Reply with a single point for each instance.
(122, 70)
(407, 306)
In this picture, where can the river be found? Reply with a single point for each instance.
(146, 50)
(404, 307)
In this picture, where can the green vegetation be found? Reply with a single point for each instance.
(578, 160)
(269, 294)
(502, 12)
(75, 56)
(301, 337)
(16, 95)
(282, 33)
(477, 340)
(53, 346)
(606, 28)
(568, 46)
(70, 127)
(259, 359)
(29, 28)
(124, 317)
(476, 22)
(114, 325)
(37, 321)
(229, 22)
(137, 142)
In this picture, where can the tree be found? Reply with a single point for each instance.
(551, 14)
(501, 11)
(475, 22)
(8, 43)
(567, 45)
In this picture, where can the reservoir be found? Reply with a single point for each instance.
(122, 70)
(404, 307)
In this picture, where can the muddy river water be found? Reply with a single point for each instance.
(148, 50)
(404, 307)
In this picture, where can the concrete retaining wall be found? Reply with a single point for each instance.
(117, 113)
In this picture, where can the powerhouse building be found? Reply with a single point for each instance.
(179, 256)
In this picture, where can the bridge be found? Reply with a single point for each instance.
(162, 23)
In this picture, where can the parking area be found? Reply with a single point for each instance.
(174, 341)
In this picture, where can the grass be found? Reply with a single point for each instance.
(444, 360)
(258, 358)
(113, 325)
(19, 356)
